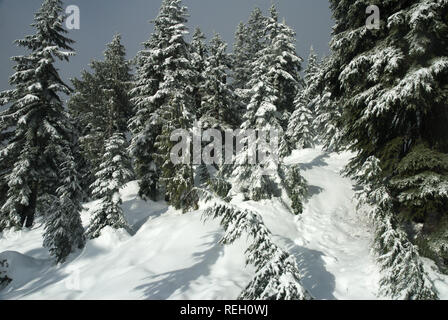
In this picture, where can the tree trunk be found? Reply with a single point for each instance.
(29, 211)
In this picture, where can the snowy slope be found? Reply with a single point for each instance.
(176, 256)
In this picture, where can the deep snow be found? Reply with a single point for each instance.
(176, 256)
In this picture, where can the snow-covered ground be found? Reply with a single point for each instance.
(171, 255)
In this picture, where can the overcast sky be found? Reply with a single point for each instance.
(101, 19)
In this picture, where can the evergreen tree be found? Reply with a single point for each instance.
(4, 170)
(252, 178)
(199, 52)
(113, 174)
(249, 41)
(218, 102)
(115, 75)
(277, 276)
(241, 58)
(287, 63)
(91, 104)
(38, 128)
(403, 275)
(391, 83)
(86, 108)
(256, 38)
(328, 122)
(177, 111)
(300, 132)
(145, 125)
(63, 228)
(4, 279)
(300, 128)
(312, 72)
(265, 114)
(296, 187)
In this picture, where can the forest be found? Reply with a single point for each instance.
(381, 96)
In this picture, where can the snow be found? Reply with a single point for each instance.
(170, 255)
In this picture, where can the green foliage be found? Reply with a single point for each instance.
(113, 173)
(421, 182)
(277, 275)
(296, 188)
(221, 187)
(434, 244)
(392, 86)
(63, 227)
(35, 127)
(101, 104)
(402, 271)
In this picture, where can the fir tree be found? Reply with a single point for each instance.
(300, 128)
(391, 83)
(249, 41)
(145, 125)
(312, 68)
(113, 174)
(37, 125)
(296, 187)
(403, 275)
(63, 228)
(91, 105)
(264, 114)
(256, 40)
(218, 102)
(241, 58)
(177, 110)
(301, 133)
(199, 52)
(277, 276)
(287, 63)
(4, 279)
(327, 124)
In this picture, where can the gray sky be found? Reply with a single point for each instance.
(101, 19)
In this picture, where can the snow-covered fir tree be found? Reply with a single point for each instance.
(40, 135)
(218, 101)
(281, 38)
(277, 275)
(63, 227)
(177, 111)
(300, 133)
(91, 107)
(255, 35)
(145, 125)
(113, 173)
(249, 40)
(390, 83)
(262, 180)
(240, 58)
(199, 52)
(403, 275)
(296, 187)
(327, 123)
(312, 69)
(5, 168)
(249, 172)
(115, 74)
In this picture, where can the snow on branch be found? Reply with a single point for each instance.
(403, 275)
(277, 275)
